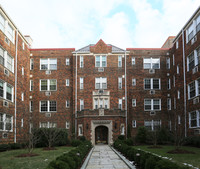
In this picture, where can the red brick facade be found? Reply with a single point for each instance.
(51, 84)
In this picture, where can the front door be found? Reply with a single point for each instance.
(101, 135)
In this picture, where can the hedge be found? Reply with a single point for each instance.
(73, 159)
(144, 160)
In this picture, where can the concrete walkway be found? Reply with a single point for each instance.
(103, 157)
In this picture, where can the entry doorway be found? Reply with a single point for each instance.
(101, 135)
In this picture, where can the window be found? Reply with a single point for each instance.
(134, 123)
(48, 85)
(193, 59)
(100, 61)
(151, 63)
(168, 103)
(177, 69)
(6, 122)
(174, 103)
(67, 82)
(133, 61)
(10, 63)
(151, 84)
(176, 44)
(122, 129)
(152, 125)
(9, 92)
(10, 32)
(81, 82)
(31, 85)
(194, 119)
(133, 82)
(178, 94)
(119, 61)
(168, 63)
(81, 61)
(1, 56)
(81, 104)
(48, 64)
(22, 71)
(67, 124)
(22, 122)
(101, 103)
(179, 119)
(6, 90)
(152, 104)
(190, 33)
(2, 23)
(80, 129)
(101, 83)
(168, 84)
(133, 102)
(67, 104)
(174, 81)
(194, 89)
(22, 96)
(48, 125)
(67, 61)
(198, 24)
(31, 64)
(119, 83)
(31, 106)
(48, 106)
(173, 60)
(120, 104)
(1, 88)
(23, 45)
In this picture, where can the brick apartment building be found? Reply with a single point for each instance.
(100, 90)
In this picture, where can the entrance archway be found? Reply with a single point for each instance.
(101, 135)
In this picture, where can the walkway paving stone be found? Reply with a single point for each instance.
(103, 157)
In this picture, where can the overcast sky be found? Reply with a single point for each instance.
(77, 23)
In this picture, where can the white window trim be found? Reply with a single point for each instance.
(196, 89)
(100, 60)
(67, 82)
(169, 80)
(31, 63)
(101, 82)
(133, 82)
(5, 84)
(169, 103)
(67, 61)
(80, 130)
(81, 83)
(168, 63)
(67, 125)
(31, 85)
(30, 102)
(151, 62)
(48, 106)
(120, 56)
(197, 118)
(81, 61)
(134, 123)
(133, 61)
(119, 84)
(4, 122)
(22, 96)
(48, 85)
(67, 103)
(134, 101)
(151, 84)
(120, 102)
(81, 104)
(160, 105)
(48, 63)
(22, 71)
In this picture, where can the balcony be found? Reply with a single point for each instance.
(101, 112)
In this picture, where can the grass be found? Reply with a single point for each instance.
(8, 159)
(193, 159)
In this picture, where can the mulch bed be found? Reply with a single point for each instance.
(27, 155)
(180, 151)
(155, 147)
(49, 148)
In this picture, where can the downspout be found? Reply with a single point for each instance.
(184, 79)
(15, 131)
(76, 100)
(126, 97)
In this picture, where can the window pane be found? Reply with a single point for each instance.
(44, 106)
(147, 104)
(2, 22)
(147, 83)
(156, 84)
(192, 89)
(103, 61)
(1, 56)
(44, 64)
(52, 64)
(9, 62)
(43, 85)
(97, 61)
(9, 93)
(193, 119)
(8, 122)
(1, 88)
(52, 105)
(156, 104)
(191, 61)
(52, 84)
(106, 103)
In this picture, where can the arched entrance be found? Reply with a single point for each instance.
(101, 135)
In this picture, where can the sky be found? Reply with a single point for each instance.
(78, 23)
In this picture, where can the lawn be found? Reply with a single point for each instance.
(8, 159)
(193, 159)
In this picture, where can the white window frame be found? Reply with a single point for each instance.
(80, 130)
(133, 82)
(67, 104)
(31, 64)
(196, 88)
(119, 82)
(81, 104)
(122, 129)
(152, 122)
(4, 122)
(178, 94)
(31, 106)
(48, 106)
(67, 82)
(196, 59)
(133, 102)
(197, 112)
(31, 85)
(168, 84)
(5, 85)
(120, 61)
(169, 104)
(101, 60)
(120, 105)
(81, 61)
(67, 61)
(177, 69)
(48, 63)
(81, 83)
(133, 60)
(174, 80)
(173, 60)
(179, 119)
(151, 61)
(152, 84)
(22, 71)
(168, 62)
(22, 122)
(174, 103)
(152, 105)
(177, 44)
(22, 96)
(134, 123)
(105, 102)
(48, 85)
(101, 80)
(67, 125)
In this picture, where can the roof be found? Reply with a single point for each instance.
(86, 49)
(147, 48)
(37, 49)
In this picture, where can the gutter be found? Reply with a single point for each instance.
(15, 116)
(184, 81)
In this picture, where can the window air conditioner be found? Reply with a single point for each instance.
(7, 40)
(196, 131)
(48, 72)
(152, 91)
(47, 114)
(6, 72)
(194, 39)
(151, 71)
(195, 70)
(100, 91)
(100, 69)
(152, 113)
(4, 135)
(5, 103)
(48, 93)
(196, 100)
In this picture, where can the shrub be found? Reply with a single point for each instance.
(82, 138)
(4, 147)
(121, 137)
(192, 141)
(58, 164)
(164, 164)
(67, 159)
(141, 135)
(75, 143)
(129, 141)
(14, 146)
(150, 163)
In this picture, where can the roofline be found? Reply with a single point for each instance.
(147, 48)
(170, 37)
(38, 49)
(187, 23)
(98, 42)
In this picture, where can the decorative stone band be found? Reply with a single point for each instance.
(101, 121)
